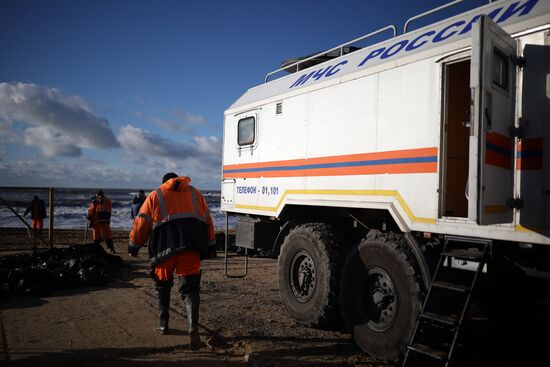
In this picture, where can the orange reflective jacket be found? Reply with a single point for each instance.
(176, 217)
(100, 212)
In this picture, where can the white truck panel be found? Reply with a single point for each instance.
(343, 119)
(409, 100)
(367, 137)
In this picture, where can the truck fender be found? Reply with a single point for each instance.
(285, 229)
(420, 259)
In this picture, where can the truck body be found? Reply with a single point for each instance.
(442, 131)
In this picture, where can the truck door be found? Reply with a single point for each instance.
(533, 161)
(240, 180)
(493, 93)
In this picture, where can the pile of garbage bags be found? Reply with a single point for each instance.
(40, 273)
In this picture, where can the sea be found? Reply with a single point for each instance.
(71, 206)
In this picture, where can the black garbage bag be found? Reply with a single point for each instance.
(73, 264)
(93, 276)
(57, 269)
(36, 282)
(98, 253)
(4, 291)
(15, 261)
(15, 276)
(65, 279)
(113, 271)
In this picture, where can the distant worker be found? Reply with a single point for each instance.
(37, 208)
(137, 202)
(99, 215)
(177, 218)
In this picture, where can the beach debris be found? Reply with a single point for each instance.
(41, 272)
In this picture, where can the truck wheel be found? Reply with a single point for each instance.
(380, 296)
(308, 273)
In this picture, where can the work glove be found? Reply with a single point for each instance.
(133, 249)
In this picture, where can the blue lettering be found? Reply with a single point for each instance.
(333, 70)
(302, 79)
(526, 8)
(398, 47)
(372, 55)
(319, 73)
(441, 35)
(246, 189)
(414, 46)
(491, 15)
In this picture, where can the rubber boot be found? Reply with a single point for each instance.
(192, 303)
(163, 289)
(190, 294)
(109, 242)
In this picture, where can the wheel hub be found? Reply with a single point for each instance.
(380, 299)
(302, 276)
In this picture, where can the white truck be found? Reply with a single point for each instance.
(357, 170)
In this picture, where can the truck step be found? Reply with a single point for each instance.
(465, 254)
(428, 351)
(448, 320)
(451, 286)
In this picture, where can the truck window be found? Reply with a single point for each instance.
(500, 70)
(246, 131)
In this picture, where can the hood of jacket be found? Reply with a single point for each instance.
(176, 184)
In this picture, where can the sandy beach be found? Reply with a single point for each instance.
(242, 321)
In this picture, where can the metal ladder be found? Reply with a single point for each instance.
(447, 303)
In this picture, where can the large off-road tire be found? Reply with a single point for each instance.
(308, 273)
(380, 295)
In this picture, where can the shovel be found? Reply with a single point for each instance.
(86, 231)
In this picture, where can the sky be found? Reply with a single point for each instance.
(115, 94)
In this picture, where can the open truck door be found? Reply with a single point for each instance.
(533, 161)
(493, 92)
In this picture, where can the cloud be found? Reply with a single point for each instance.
(187, 117)
(68, 123)
(143, 143)
(51, 141)
(83, 172)
(44, 171)
(8, 133)
(200, 160)
(169, 125)
(208, 145)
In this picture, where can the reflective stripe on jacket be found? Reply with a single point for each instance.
(100, 213)
(176, 217)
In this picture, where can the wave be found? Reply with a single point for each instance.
(71, 207)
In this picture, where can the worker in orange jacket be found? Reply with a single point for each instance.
(99, 215)
(177, 219)
(37, 208)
